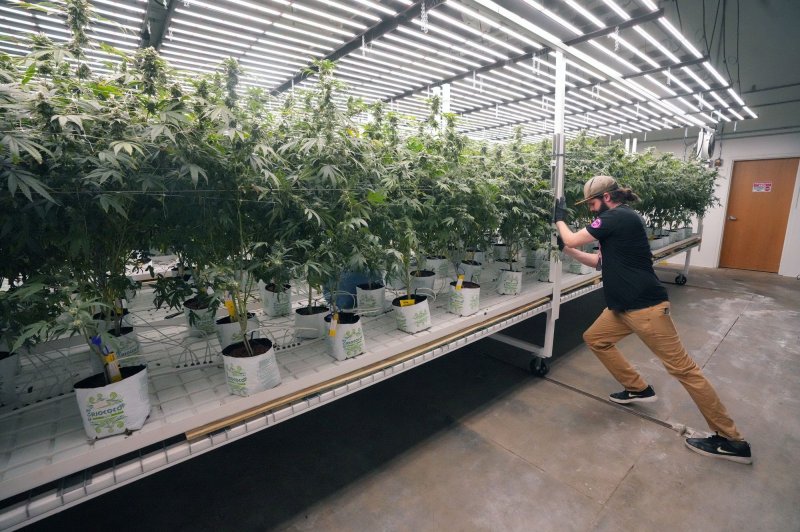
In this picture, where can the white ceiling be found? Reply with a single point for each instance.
(767, 62)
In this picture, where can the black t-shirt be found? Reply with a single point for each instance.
(629, 281)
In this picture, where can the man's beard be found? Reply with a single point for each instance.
(603, 208)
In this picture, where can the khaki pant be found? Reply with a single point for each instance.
(655, 328)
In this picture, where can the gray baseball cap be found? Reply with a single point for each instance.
(597, 186)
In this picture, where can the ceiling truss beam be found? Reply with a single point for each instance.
(155, 24)
(367, 37)
(654, 15)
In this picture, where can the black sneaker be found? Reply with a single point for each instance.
(718, 447)
(648, 395)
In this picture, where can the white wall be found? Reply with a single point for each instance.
(739, 149)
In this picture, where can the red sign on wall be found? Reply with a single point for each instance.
(765, 186)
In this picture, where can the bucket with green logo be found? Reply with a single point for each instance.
(108, 409)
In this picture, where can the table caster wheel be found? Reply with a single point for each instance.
(539, 367)
(680, 279)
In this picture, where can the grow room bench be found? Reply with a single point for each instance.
(47, 464)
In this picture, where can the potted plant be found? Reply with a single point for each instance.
(90, 138)
(522, 202)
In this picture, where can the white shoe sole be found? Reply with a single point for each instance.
(731, 457)
(651, 399)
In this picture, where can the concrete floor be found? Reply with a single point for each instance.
(470, 443)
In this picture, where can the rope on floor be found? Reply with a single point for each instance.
(680, 428)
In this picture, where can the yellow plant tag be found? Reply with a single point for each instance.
(231, 309)
(334, 321)
(407, 302)
(460, 281)
(112, 367)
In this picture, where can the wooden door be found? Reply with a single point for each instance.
(758, 213)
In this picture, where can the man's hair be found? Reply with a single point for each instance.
(623, 195)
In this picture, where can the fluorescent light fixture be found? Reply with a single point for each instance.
(231, 12)
(615, 57)
(688, 104)
(450, 20)
(697, 78)
(714, 72)
(306, 33)
(120, 5)
(748, 111)
(440, 42)
(223, 21)
(256, 7)
(618, 10)
(657, 44)
(464, 40)
(654, 81)
(376, 6)
(212, 31)
(539, 7)
(427, 59)
(734, 113)
(417, 44)
(675, 33)
(493, 23)
(580, 9)
(735, 96)
(327, 16)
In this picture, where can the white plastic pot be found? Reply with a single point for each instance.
(127, 348)
(464, 302)
(509, 282)
(422, 279)
(412, 318)
(471, 270)
(476, 255)
(310, 324)
(536, 257)
(346, 337)
(201, 322)
(106, 325)
(370, 298)
(438, 265)
(543, 272)
(248, 375)
(500, 251)
(108, 409)
(230, 332)
(275, 303)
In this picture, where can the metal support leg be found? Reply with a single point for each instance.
(530, 357)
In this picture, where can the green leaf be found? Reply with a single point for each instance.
(127, 147)
(28, 74)
(107, 201)
(194, 171)
(376, 197)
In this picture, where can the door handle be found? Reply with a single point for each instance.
(732, 218)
